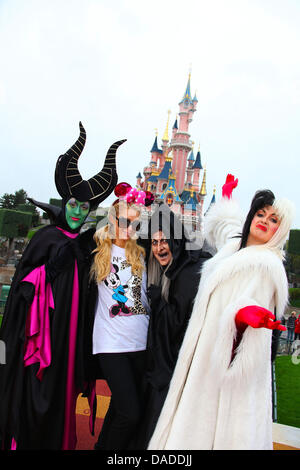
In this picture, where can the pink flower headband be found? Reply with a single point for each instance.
(127, 193)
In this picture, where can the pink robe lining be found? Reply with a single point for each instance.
(38, 344)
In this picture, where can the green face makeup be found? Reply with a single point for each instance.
(76, 212)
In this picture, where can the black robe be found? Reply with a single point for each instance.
(168, 322)
(32, 411)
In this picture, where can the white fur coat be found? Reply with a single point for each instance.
(214, 403)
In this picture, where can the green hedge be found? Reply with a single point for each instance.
(294, 242)
(14, 223)
(32, 210)
(294, 293)
(26, 208)
(55, 202)
(294, 296)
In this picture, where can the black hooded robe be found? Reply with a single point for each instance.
(168, 320)
(32, 411)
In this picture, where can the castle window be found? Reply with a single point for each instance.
(169, 200)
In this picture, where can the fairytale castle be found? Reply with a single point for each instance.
(174, 175)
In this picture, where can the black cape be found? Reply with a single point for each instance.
(32, 411)
(168, 320)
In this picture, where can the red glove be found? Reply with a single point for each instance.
(229, 185)
(257, 317)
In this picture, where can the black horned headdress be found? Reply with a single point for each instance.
(69, 182)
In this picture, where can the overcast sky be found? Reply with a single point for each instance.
(119, 66)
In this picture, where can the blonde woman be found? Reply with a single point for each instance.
(121, 318)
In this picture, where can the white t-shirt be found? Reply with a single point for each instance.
(122, 312)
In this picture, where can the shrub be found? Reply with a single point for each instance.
(14, 223)
(294, 293)
(294, 242)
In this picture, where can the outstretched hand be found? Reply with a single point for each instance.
(229, 186)
(257, 317)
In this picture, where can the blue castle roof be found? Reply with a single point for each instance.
(164, 174)
(213, 200)
(191, 156)
(152, 179)
(192, 201)
(171, 189)
(155, 147)
(187, 94)
(197, 163)
(185, 195)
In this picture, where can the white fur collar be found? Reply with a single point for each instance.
(230, 261)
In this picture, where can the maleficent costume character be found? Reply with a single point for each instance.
(44, 328)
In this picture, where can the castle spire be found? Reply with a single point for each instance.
(203, 186)
(175, 123)
(187, 94)
(155, 146)
(197, 163)
(213, 199)
(166, 134)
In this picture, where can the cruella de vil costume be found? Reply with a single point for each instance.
(217, 399)
(44, 325)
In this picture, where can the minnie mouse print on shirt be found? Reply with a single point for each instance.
(122, 312)
(122, 293)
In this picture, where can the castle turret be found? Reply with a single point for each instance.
(202, 192)
(155, 152)
(203, 185)
(196, 169)
(180, 143)
(163, 176)
(213, 200)
(189, 170)
(139, 180)
(175, 128)
(173, 173)
(165, 138)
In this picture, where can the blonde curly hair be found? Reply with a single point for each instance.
(103, 237)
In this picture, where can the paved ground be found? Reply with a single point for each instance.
(85, 441)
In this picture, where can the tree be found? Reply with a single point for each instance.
(11, 201)
(18, 201)
(294, 242)
(16, 217)
(292, 262)
(7, 201)
(14, 224)
(20, 197)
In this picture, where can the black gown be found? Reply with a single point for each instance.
(32, 411)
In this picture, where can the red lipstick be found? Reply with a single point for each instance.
(262, 227)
